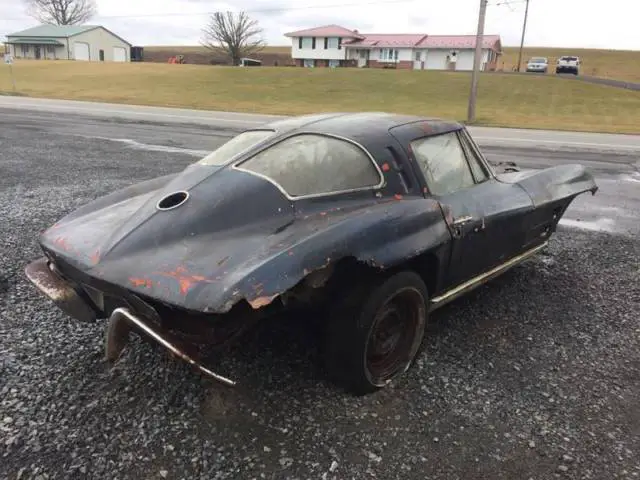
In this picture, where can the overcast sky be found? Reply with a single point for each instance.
(561, 23)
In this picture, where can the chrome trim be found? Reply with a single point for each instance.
(242, 152)
(478, 152)
(484, 277)
(462, 220)
(175, 206)
(115, 323)
(378, 186)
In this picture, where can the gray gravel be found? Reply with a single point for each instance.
(533, 376)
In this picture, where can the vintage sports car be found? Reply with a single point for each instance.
(376, 219)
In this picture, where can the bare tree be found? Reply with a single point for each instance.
(233, 35)
(61, 12)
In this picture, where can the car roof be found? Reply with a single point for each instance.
(363, 127)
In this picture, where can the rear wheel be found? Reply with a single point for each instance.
(374, 334)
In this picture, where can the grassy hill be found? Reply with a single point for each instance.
(533, 101)
(617, 64)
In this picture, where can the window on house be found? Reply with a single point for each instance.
(339, 43)
(300, 42)
(25, 50)
(312, 164)
(388, 54)
(50, 48)
(443, 163)
(326, 43)
(313, 42)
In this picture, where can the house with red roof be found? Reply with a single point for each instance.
(336, 46)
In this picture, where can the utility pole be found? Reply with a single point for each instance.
(471, 112)
(524, 27)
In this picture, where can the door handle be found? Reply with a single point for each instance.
(462, 220)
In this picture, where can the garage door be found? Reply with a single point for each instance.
(81, 51)
(119, 54)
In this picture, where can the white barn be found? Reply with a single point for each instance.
(68, 42)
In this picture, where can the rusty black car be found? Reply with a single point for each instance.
(374, 219)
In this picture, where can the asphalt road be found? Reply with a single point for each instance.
(533, 376)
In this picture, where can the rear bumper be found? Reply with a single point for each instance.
(78, 305)
(122, 321)
(45, 277)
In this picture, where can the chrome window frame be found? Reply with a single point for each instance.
(378, 186)
(242, 152)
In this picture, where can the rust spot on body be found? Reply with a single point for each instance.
(185, 280)
(397, 196)
(141, 282)
(261, 301)
(385, 167)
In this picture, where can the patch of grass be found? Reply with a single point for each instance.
(616, 64)
(503, 100)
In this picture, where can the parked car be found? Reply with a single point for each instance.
(568, 64)
(375, 219)
(538, 65)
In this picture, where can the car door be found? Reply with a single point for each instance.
(485, 216)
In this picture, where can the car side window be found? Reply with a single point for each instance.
(479, 170)
(443, 162)
(313, 164)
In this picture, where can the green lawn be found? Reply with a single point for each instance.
(503, 100)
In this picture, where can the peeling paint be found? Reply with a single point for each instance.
(185, 280)
(260, 302)
(141, 282)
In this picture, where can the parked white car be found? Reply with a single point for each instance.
(538, 65)
(568, 64)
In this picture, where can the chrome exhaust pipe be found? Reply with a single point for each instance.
(118, 332)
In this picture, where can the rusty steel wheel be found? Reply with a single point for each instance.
(396, 328)
(375, 332)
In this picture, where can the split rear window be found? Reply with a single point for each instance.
(313, 164)
(238, 144)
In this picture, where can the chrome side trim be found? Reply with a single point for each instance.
(469, 285)
(117, 333)
(236, 166)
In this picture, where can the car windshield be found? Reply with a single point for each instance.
(238, 144)
(538, 60)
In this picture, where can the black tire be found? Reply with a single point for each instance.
(402, 298)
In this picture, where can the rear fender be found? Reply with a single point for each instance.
(381, 237)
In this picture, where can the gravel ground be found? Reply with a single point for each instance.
(533, 376)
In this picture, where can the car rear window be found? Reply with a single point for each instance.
(569, 59)
(238, 144)
(314, 164)
(538, 60)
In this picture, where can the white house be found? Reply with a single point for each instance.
(68, 42)
(333, 46)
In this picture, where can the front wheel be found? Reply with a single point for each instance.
(374, 334)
